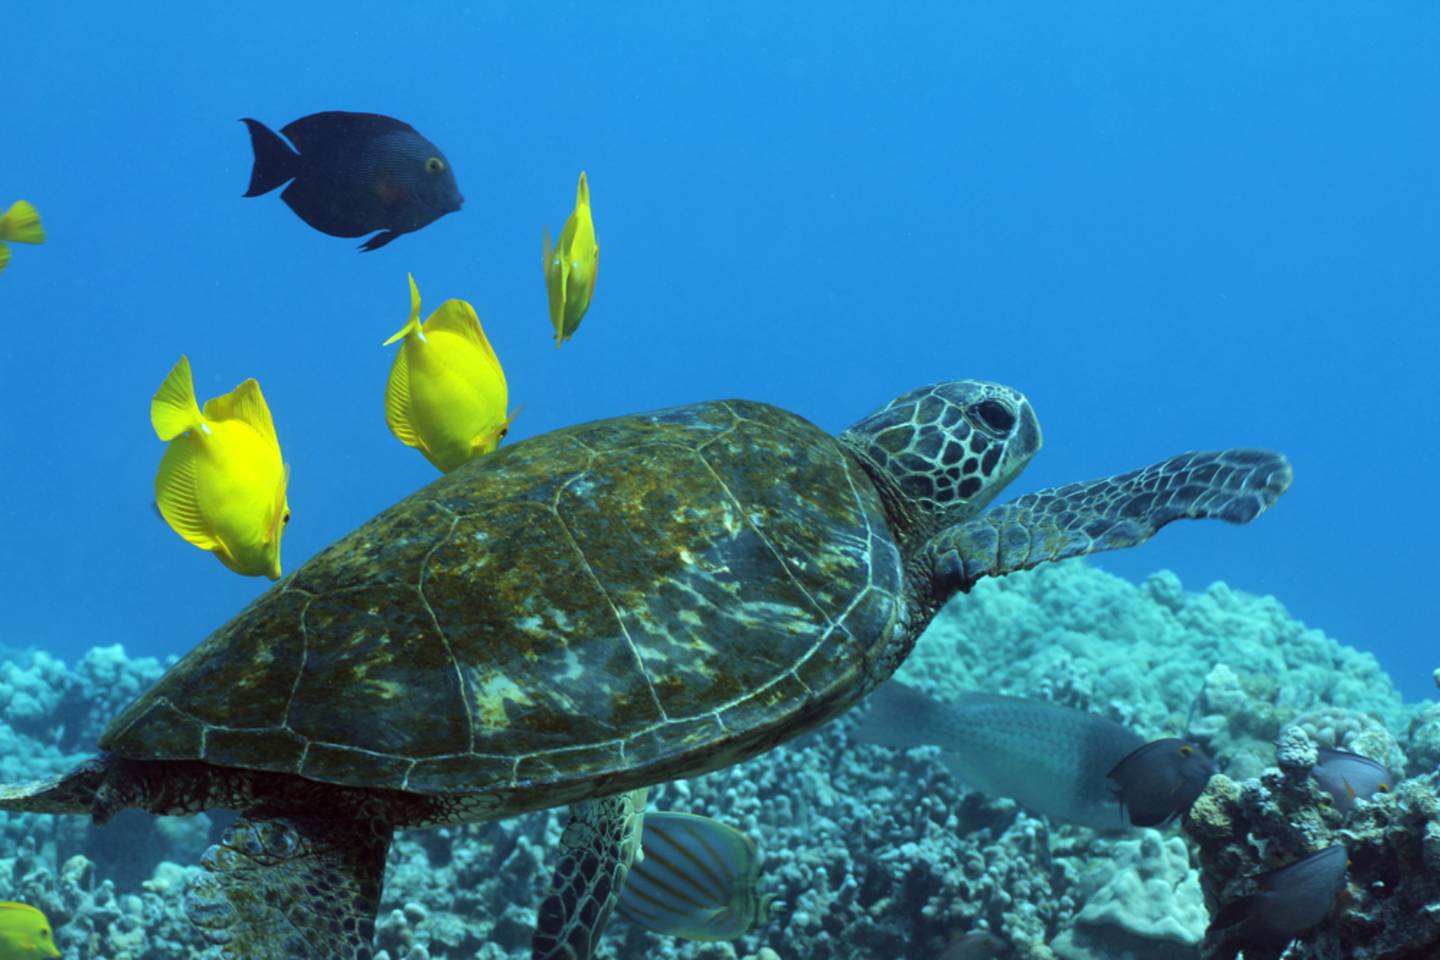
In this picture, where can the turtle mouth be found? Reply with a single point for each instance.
(1028, 436)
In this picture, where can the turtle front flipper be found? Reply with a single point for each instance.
(598, 846)
(292, 887)
(1122, 511)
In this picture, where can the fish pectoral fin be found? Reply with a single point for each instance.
(247, 404)
(177, 495)
(21, 223)
(397, 400)
(173, 409)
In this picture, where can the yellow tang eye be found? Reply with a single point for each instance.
(434, 165)
(286, 518)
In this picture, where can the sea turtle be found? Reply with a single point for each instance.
(579, 616)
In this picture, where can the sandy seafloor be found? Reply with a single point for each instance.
(873, 853)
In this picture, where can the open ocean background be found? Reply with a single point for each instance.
(1173, 226)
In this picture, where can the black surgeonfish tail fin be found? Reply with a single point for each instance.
(275, 161)
(379, 240)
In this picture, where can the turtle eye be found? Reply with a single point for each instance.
(995, 415)
(434, 165)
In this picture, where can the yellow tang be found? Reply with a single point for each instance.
(19, 224)
(447, 393)
(24, 933)
(222, 480)
(570, 267)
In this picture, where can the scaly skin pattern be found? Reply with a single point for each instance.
(586, 612)
(598, 848)
(1109, 514)
(285, 888)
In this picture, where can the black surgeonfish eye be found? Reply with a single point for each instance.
(434, 165)
(995, 415)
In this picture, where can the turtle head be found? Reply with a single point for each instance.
(939, 454)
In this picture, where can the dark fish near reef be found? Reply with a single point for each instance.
(1160, 781)
(1050, 758)
(1348, 777)
(975, 945)
(1291, 900)
(355, 173)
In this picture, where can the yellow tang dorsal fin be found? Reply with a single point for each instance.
(21, 223)
(247, 404)
(4, 256)
(412, 325)
(173, 409)
(177, 495)
(397, 401)
(458, 317)
(582, 192)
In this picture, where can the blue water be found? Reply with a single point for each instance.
(1173, 226)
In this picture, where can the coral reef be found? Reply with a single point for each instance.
(870, 852)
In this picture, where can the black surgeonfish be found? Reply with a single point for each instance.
(1348, 777)
(354, 173)
(1289, 901)
(1161, 780)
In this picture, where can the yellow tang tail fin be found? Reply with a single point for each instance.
(173, 409)
(21, 223)
(554, 285)
(413, 324)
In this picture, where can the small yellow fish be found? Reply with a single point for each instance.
(24, 933)
(570, 267)
(222, 480)
(447, 393)
(19, 224)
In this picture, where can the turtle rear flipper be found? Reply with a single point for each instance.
(292, 887)
(1121, 511)
(598, 846)
(72, 792)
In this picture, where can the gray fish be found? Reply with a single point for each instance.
(354, 173)
(1050, 758)
(1290, 900)
(1160, 781)
(1348, 777)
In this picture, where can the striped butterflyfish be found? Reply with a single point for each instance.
(697, 879)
